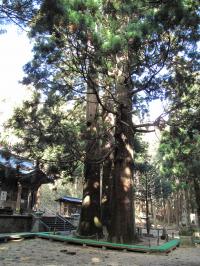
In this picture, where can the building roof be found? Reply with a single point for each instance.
(12, 161)
(20, 169)
(70, 200)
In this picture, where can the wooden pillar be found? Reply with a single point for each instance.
(67, 212)
(29, 202)
(19, 193)
(37, 202)
(60, 209)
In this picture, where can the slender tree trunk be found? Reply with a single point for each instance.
(90, 219)
(178, 208)
(164, 211)
(153, 212)
(197, 196)
(174, 209)
(147, 206)
(122, 208)
(187, 206)
(168, 212)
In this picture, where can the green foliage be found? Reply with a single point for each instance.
(180, 144)
(113, 43)
(152, 34)
(47, 132)
(185, 231)
(49, 193)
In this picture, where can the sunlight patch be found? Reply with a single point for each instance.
(86, 201)
(127, 171)
(127, 183)
(97, 222)
(15, 236)
(3, 248)
(95, 260)
(96, 184)
(129, 149)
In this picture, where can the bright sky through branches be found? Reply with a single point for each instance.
(15, 51)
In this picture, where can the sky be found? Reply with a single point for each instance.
(15, 51)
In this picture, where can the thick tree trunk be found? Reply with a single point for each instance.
(122, 210)
(90, 219)
(106, 192)
(108, 164)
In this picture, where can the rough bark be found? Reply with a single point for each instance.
(106, 192)
(90, 219)
(122, 211)
(108, 122)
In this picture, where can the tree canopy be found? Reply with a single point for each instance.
(48, 133)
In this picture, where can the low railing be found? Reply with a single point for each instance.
(48, 211)
(65, 221)
(40, 221)
(67, 225)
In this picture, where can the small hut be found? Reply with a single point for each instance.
(69, 206)
(20, 180)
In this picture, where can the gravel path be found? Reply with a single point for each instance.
(44, 252)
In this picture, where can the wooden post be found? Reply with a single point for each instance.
(29, 201)
(37, 195)
(60, 208)
(19, 193)
(158, 237)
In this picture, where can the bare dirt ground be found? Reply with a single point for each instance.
(44, 252)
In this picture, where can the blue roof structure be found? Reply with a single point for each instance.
(14, 167)
(70, 200)
(14, 162)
